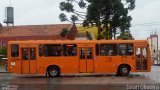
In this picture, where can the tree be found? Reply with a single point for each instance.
(125, 36)
(102, 12)
(112, 12)
(68, 6)
(89, 35)
(64, 32)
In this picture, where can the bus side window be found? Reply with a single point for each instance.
(108, 49)
(52, 50)
(70, 50)
(103, 50)
(130, 49)
(122, 49)
(14, 50)
(125, 49)
(40, 50)
(97, 49)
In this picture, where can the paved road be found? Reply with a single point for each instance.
(70, 82)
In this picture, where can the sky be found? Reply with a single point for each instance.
(146, 15)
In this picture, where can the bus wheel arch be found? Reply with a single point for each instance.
(123, 70)
(53, 71)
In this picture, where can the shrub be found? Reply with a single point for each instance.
(64, 32)
(3, 51)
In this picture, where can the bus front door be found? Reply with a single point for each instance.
(141, 58)
(28, 60)
(86, 60)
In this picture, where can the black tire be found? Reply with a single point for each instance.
(118, 74)
(53, 71)
(124, 70)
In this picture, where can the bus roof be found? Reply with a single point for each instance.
(78, 41)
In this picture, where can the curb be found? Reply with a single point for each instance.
(3, 71)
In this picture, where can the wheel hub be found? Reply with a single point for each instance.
(53, 72)
(124, 70)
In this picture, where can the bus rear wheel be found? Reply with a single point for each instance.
(53, 71)
(123, 70)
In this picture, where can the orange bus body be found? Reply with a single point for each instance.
(90, 56)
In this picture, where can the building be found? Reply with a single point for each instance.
(153, 45)
(36, 32)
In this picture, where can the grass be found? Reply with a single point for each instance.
(93, 30)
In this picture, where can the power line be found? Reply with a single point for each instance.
(141, 29)
(147, 24)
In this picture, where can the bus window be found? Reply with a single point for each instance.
(125, 49)
(144, 53)
(24, 53)
(32, 54)
(97, 49)
(14, 50)
(52, 50)
(144, 58)
(40, 50)
(130, 49)
(138, 58)
(70, 50)
(89, 53)
(82, 53)
(108, 49)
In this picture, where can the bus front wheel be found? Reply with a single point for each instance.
(124, 70)
(53, 71)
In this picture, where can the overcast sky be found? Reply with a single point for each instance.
(146, 15)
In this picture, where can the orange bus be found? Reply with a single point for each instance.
(55, 57)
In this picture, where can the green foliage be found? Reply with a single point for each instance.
(64, 32)
(63, 17)
(74, 18)
(101, 12)
(89, 36)
(104, 33)
(85, 23)
(100, 36)
(114, 12)
(3, 51)
(82, 4)
(66, 6)
(125, 36)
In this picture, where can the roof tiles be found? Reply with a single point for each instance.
(34, 30)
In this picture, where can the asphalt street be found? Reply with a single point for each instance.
(10, 81)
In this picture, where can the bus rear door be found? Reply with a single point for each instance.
(28, 56)
(141, 58)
